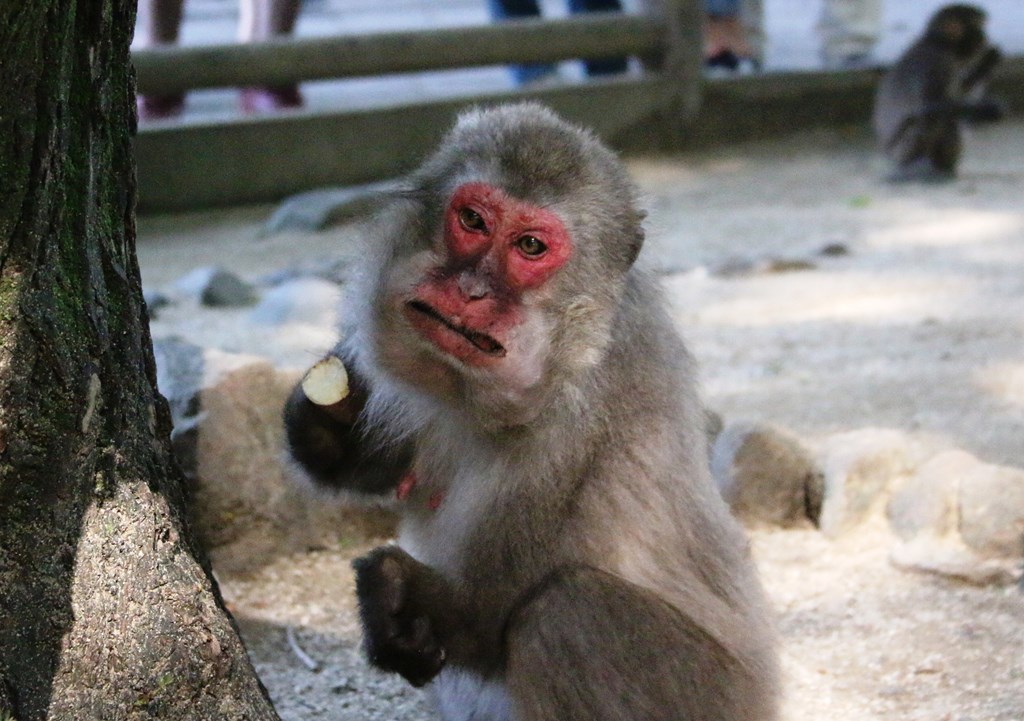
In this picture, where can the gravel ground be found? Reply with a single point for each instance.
(918, 326)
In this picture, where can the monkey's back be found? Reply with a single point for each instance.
(650, 512)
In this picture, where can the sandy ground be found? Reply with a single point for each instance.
(919, 327)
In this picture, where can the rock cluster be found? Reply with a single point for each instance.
(950, 513)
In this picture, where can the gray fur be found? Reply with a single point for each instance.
(581, 564)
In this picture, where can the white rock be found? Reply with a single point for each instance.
(859, 467)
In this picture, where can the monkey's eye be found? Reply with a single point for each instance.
(472, 220)
(530, 246)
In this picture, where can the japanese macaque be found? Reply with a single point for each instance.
(937, 83)
(518, 389)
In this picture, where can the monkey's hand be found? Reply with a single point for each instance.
(989, 59)
(981, 69)
(322, 419)
(397, 632)
(985, 111)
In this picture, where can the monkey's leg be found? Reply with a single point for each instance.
(593, 646)
(923, 149)
(945, 148)
(333, 446)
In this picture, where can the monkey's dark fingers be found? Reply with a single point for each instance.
(381, 580)
(397, 637)
(329, 444)
(991, 57)
(410, 649)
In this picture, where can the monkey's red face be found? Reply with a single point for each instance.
(496, 248)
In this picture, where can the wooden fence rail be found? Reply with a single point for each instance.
(187, 164)
(174, 69)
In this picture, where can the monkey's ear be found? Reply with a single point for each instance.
(635, 247)
(636, 241)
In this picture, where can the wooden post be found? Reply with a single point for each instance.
(681, 58)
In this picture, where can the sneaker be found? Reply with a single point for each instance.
(726, 63)
(722, 60)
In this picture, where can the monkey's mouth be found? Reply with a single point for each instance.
(481, 341)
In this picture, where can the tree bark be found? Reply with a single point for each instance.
(105, 611)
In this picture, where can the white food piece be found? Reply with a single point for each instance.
(326, 383)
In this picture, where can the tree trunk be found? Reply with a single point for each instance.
(105, 611)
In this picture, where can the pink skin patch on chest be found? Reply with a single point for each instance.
(405, 485)
(408, 482)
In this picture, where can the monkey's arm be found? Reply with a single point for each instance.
(333, 446)
(982, 68)
(943, 102)
(986, 110)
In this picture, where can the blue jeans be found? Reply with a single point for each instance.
(722, 8)
(502, 9)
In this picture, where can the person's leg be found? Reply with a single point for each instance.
(161, 22)
(599, 66)
(503, 9)
(266, 19)
(726, 44)
(263, 20)
(752, 20)
(515, 10)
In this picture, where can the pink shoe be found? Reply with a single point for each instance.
(269, 100)
(160, 107)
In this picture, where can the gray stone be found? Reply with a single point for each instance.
(735, 267)
(183, 371)
(787, 265)
(949, 558)
(713, 425)
(741, 267)
(179, 374)
(962, 518)
(155, 300)
(307, 300)
(859, 466)
(764, 474)
(320, 209)
(926, 501)
(216, 287)
(992, 510)
(834, 250)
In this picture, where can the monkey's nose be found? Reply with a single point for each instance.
(473, 285)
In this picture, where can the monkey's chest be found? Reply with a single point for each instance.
(439, 521)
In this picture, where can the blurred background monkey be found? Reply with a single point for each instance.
(935, 85)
